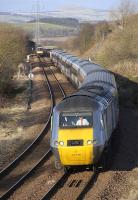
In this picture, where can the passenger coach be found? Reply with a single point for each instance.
(83, 122)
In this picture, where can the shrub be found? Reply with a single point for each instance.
(84, 40)
(12, 51)
(121, 45)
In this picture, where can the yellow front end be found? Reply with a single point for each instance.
(76, 155)
(40, 52)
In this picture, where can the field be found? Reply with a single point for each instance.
(48, 30)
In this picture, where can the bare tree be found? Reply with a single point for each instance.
(124, 10)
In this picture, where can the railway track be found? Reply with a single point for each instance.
(56, 80)
(72, 186)
(44, 169)
(68, 185)
(21, 156)
(9, 174)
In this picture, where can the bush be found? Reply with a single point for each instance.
(5, 76)
(84, 40)
(121, 45)
(12, 51)
(89, 35)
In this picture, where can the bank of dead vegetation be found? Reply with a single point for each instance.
(13, 48)
(113, 45)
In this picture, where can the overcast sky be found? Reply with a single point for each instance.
(30, 5)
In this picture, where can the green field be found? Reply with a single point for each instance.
(47, 29)
(45, 26)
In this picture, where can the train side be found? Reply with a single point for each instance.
(97, 87)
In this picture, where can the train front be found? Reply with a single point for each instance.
(73, 133)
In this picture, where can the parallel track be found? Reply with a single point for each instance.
(61, 184)
(59, 85)
(41, 161)
(15, 162)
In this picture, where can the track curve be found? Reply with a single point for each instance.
(45, 156)
(6, 176)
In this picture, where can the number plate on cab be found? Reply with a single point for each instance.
(74, 142)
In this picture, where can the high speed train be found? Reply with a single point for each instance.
(82, 123)
(40, 51)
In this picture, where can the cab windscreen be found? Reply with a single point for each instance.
(75, 120)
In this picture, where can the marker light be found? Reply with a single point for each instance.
(61, 143)
(89, 142)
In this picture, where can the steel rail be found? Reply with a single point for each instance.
(27, 175)
(52, 191)
(89, 185)
(61, 88)
(15, 162)
(54, 188)
(44, 158)
(62, 180)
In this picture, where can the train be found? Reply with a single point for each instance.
(40, 51)
(44, 50)
(83, 123)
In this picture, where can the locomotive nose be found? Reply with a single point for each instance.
(76, 149)
(76, 155)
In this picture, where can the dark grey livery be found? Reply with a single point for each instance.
(97, 94)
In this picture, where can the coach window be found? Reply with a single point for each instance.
(73, 71)
(80, 77)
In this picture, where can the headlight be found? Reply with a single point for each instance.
(56, 143)
(89, 142)
(61, 143)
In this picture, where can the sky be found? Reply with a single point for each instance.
(47, 5)
(84, 10)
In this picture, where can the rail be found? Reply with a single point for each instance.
(47, 154)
